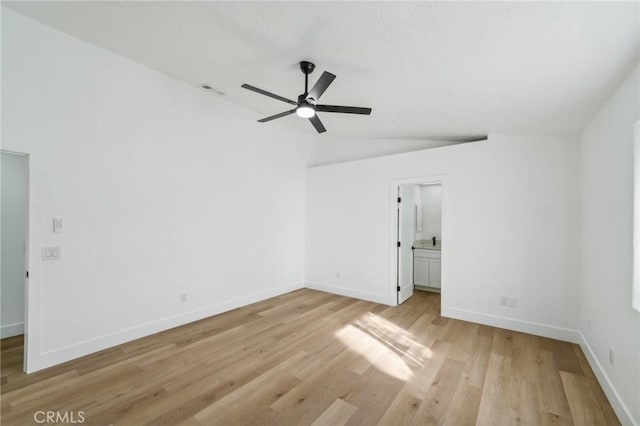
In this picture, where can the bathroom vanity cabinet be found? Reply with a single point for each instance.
(426, 267)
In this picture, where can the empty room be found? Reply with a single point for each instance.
(320, 213)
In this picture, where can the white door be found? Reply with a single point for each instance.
(406, 229)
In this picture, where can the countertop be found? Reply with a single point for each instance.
(427, 245)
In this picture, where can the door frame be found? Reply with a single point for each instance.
(27, 253)
(441, 179)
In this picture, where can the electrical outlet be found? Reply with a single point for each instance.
(183, 297)
(612, 356)
(509, 302)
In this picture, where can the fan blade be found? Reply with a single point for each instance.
(273, 117)
(343, 109)
(321, 85)
(315, 120)
(271, 95)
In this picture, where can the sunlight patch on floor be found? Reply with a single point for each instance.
(386, 346)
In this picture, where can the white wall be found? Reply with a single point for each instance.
(510, 207)
(14, 238)
(163, 189)
(606, 173)
(431, 199)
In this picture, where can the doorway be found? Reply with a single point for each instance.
(14, 203)
(427, 253)
(418, 210)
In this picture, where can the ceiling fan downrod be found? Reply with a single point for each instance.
(307, 68)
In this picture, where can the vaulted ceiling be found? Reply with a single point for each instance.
(428, 70)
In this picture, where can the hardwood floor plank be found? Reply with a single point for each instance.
(436, 402)
(232, 410)
(464, 406)
(337, 414)
(373, 395)
(566, 357)
(583, 402)
(498, 387)
(598, 393)
(552, 398)
(402, 411)
(256, 392)
(422, 379)
(307, 401)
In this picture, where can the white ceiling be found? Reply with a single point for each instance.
(428, 70)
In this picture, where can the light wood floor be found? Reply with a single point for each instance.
(308, 357)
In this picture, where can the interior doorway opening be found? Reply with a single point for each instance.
(14, 202)
(419, 238)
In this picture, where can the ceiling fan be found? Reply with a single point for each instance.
(307, 105)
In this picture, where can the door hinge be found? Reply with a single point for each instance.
(398, 243)
(398, 288)
(399, 199)
(27, 274)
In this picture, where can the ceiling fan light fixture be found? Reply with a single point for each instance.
(305, 111)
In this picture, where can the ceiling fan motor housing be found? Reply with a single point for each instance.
(303, 99)
(307, 67)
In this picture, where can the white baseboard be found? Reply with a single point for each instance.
(341, 291)
(623, 413)
(11, 330)
(539, 329)
(67, 353)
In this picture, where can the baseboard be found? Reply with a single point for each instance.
(623, 413)
(11, 330)
(342, 291)
(67, 353)
(538, 329)
(429, 289)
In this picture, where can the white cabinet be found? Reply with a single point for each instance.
(426, 268)
(434, 273)
(420, 271)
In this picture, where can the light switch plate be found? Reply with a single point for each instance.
(57, 225)
(50, 253)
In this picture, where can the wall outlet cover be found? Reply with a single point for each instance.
(509, 302)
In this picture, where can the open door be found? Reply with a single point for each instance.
(406, 229)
